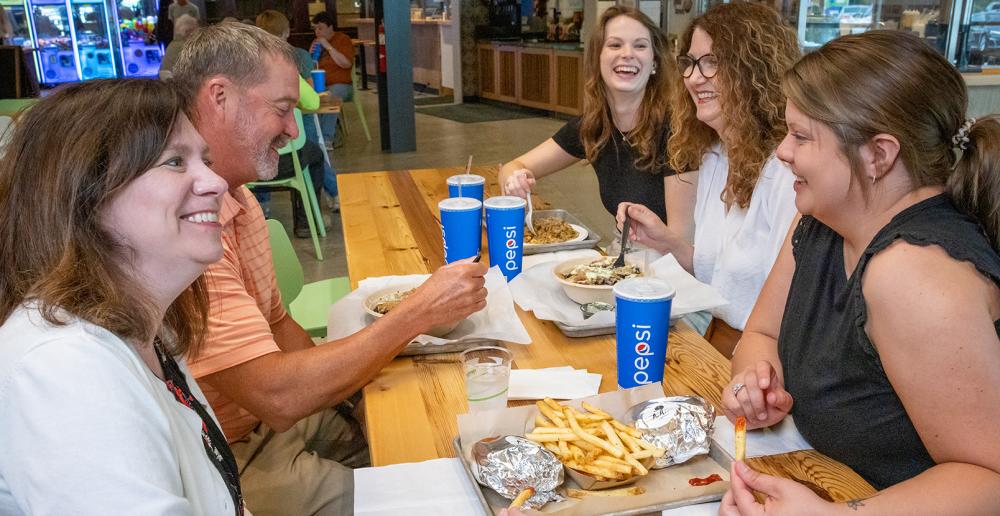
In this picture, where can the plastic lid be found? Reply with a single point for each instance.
(460, 204)
(644, 289)
(466, 179)
(505, 202)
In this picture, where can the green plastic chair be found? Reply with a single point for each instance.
(301, 183)
(358, 107)
(309, 305)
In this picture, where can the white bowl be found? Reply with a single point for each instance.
(582, 294)
(376, 297)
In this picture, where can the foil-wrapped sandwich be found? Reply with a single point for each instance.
(682, 425)
(511, 465)
(601, 272)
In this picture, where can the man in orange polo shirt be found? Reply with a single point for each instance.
(337, 59)
(280, 398)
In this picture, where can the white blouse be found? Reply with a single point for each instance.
(734, 251)
(87, 429)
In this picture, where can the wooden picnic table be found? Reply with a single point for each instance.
(391, 227)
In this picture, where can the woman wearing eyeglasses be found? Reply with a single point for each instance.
(623, 130)
(727, 115)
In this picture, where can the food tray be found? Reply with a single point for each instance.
(413, 348)
(489, 499)
(587, 243)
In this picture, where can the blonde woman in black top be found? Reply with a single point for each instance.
(878, 326)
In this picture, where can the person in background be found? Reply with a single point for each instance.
(277, 23)
(181, 7)
(623, 130)
(283, 401)
(337, 59)
(311, 154)
(879, 326)
(6, 26)
(183, 27)
(106, 235)
(727, 113)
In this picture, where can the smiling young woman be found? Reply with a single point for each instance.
(623, 129)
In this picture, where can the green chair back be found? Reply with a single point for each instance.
(286, 264)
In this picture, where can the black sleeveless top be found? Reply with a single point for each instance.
(844, 404)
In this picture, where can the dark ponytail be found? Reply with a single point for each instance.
(974, 185)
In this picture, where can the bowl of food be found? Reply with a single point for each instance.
(590, 280)
(553, 230)
(385, 300)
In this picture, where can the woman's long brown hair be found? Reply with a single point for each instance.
(754, 49)
(596, 124)
(69, 155)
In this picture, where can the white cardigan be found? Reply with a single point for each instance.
(87, 429)
(734, 251)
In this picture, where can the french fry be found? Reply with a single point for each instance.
(551, 438)
(553, 404)
(594, 469)
(564, 449)
(550, 430)
(554, 416)
(541, 422)
(597, 411)
(740, 439)
(637, 465)
(613, 466)
(522, 497)
(625, 491)
(627, 429)
(643, 454)
(596, 441)
(629, 442)
(552, 448)
(611, 435)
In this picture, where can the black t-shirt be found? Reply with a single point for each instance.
(617, 178)
(845, 405)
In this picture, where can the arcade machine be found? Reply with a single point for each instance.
(92, 35)
(140, 52)
(17, 14)
(56, 55)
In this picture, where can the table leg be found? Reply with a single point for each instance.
(364, 68)
(322, 142)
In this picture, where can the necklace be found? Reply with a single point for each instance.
(624, 136)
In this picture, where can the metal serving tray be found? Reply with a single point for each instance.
(587, 243)
(486, 495)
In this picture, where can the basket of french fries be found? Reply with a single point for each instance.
(598, 451)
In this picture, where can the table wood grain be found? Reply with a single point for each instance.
(391, 226)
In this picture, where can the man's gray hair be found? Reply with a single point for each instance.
(230, 49)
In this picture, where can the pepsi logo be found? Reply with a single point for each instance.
(511, 243)
(642, 348)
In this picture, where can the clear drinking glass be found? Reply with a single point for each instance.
(487, 376)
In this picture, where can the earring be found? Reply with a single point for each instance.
(874, 178)
(653, 72)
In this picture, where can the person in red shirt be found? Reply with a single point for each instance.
(337, 59)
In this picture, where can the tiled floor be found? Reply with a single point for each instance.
(444, 143)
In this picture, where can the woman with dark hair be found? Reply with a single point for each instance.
(727, 115)
(105, 236)
(623, 129)
(881, 317)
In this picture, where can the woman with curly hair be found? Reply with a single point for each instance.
(727, 117)
(623, 129)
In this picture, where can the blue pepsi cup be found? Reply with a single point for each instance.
(461, 227)
(319, 80)
(505, 233)
(471, 186)
(642, 323)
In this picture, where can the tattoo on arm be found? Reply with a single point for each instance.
(856, 504)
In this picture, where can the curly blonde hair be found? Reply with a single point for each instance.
(754, 48)
(596, 124)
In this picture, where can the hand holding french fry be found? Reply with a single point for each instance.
(591, 441)
(757, 393)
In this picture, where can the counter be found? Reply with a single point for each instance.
(534, 74)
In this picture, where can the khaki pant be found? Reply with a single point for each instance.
(306, 470)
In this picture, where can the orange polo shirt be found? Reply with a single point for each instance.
(244, 301)
(335, 74)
